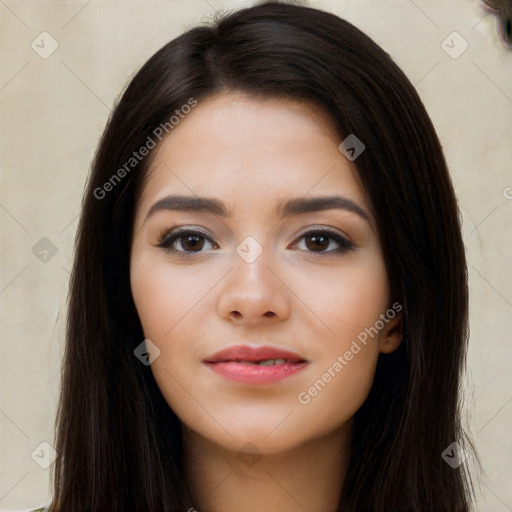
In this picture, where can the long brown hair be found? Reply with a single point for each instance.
(503, 11)
(118, 441)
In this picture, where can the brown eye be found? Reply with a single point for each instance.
(319, 240)
(185, 241)
(316, 242)
(191, 242)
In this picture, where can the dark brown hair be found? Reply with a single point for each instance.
(503, 10)
(118, 442)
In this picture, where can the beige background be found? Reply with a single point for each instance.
(54, 109)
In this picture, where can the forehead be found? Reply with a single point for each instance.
(240, 148)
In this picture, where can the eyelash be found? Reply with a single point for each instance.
(167, 239)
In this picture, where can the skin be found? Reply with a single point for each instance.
(256, 447)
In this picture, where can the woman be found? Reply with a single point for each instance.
(268, 304)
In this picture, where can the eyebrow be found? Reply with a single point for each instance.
(294, 206)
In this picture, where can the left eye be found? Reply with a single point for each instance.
(317, 241)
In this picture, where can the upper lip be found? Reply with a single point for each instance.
(253, 354)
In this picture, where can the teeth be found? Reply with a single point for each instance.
(271, 362)
(267, 362)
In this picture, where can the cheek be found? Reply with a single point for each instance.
(343, 302)
(166, 302)
(152, 300)
(346, 358)
(338, 390)
(164, 299)
(362, 297)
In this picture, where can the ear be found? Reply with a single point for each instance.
(391, 335)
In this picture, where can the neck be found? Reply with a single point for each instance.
(309, 477)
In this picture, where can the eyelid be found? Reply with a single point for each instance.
(326, 229)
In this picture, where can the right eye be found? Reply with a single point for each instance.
(191, 241)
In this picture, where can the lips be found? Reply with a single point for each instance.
(255, 365)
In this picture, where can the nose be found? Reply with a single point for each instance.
(253, 292)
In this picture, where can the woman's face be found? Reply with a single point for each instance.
(256, 278)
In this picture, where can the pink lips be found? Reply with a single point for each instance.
(240, 363)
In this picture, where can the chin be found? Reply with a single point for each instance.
(263, 433)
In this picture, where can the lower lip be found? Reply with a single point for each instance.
(254, 373)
